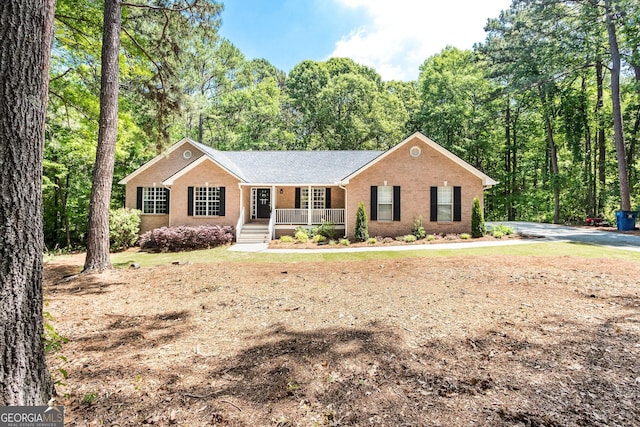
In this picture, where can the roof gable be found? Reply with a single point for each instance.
(158, 158)
(486, 180)
(193, 165)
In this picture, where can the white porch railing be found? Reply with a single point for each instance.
(301, 216)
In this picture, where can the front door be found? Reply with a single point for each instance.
(263, 203)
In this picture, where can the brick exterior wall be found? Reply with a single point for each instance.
(155, 174)
(207, 173)
(415, 176)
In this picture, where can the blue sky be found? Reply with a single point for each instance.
(392, 36)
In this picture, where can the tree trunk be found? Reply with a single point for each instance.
(507, 160)
(555, 171)
(25, 47)
(514, 167)
(621, 154)
(553, 156)
(98, 233)
(589, 196)
(601, 162)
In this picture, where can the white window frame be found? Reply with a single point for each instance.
(445, 205)
(318, 199)
(206, 201)
(385, 200)
(154, 201)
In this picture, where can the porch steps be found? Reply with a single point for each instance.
(254, 233)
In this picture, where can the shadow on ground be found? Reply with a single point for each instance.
(589, 375)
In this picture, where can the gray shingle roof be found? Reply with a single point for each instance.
(291, 167)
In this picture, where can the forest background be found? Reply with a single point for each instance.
(531, 106)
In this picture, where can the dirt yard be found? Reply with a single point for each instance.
(456, 341)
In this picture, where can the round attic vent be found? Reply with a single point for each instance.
(186, 154)
(415, 151)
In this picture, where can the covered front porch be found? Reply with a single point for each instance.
(280, 209)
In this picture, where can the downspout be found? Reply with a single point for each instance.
(168, 187)
(346, 210)
(241, 200)
(240, 222)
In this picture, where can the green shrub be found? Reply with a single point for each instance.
(504, 230)
(332, 243)
(345, 242)
(498, 234)
(417, 229)
(124, 227)
(409, 238)
(327, 229)
(181, 238)
(305, 229)
(302, 236)
(318, 238)
(286, 239)
(478, 228)
(465, 236)
(362, 227)
(431, 238)
(372, 240)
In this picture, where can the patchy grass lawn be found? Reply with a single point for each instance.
(519, 335)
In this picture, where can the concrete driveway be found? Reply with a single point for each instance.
(574, 234)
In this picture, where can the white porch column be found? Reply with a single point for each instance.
(273, 198)
(309, 205)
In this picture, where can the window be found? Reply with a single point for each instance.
(154, 200)
(207, 201)
(317, 199)
(445, 204)
(385, 203)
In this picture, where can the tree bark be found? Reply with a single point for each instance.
(601, 162)
(621, 154)
(97, 258)
(553, 156)
(25, 47)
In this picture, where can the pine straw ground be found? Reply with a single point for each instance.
(433, 341)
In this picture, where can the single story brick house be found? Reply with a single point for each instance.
(266, 194)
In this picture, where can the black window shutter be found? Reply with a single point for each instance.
(139, 198)
(374, 203)
(433, 214)
(457, 203)
(327, 198)
(222, 200)
(167, 193)
(297, 202)
(189, 201)
(396, 203)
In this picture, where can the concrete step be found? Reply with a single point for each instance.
(254, 233)
(264, 238)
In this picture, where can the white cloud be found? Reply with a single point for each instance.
(401, 34)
